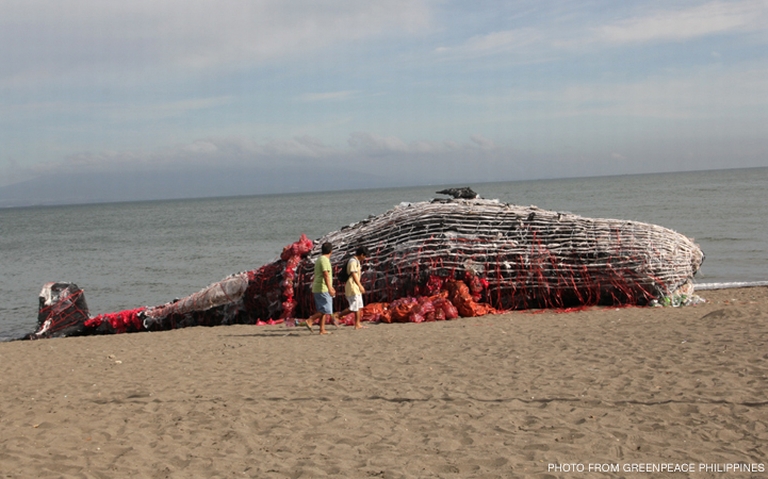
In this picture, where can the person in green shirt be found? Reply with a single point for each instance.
(322, 289)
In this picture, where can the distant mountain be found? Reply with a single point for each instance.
(103, 187)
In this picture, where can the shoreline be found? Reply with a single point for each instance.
(504, 395)
(697, 287)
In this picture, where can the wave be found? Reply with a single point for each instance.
(746, 284)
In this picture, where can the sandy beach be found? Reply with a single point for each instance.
(604, 392)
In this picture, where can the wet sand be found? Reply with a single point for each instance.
(524, 394)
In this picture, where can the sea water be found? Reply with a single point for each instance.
(126, 255)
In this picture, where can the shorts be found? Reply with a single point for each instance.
(355, 302)
(323, 302)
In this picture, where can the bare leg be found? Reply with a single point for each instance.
(322, 324)
(359, 319)
(311, 320)
(338, 316)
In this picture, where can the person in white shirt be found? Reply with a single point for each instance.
(353, 289)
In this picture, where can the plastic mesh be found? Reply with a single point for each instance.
(514, 257)
(62, 312)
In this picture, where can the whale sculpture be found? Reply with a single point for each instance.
(507, 257)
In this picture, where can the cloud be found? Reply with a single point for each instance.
(574, 31)
(304, 147)
(201, 147)
(327, 96)
(375, 144)
(241, 166)
(482, 142)
(496, 42)
(101, 114)
(684, 24)
(136, 39)
(707, 92)
(364, 151)
(699, 94)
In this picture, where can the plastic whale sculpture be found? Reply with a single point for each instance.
(481, 255)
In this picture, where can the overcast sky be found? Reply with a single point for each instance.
(385, 92)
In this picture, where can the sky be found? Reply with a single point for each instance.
(259, 96)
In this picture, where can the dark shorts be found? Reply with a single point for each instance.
(323, 303)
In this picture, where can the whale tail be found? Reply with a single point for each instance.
(62, 312)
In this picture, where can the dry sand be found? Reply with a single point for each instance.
(514, 395)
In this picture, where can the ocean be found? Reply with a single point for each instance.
(126, 255)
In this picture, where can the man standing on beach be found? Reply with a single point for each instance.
(322, 288)
(353, 289)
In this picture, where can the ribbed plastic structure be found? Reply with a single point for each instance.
(525, 256)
